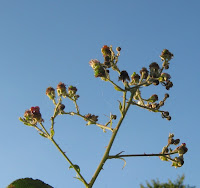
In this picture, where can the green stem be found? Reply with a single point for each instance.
(63, 153)
(56, 107)
(77, 108)
(40, 131)
(150, 109)
(106, 154)
(69, 161)
(44, 129)
(140, 98)
(97, 124)
(115, 85)
(124, 101)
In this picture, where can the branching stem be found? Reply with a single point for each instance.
(106, 154)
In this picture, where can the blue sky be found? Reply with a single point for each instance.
(45, 42)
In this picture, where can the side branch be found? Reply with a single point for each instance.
(140, 155)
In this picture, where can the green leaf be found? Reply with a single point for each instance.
(42, 134)
(28, 182)
(120, 108)
(75, 166)
(118, 88)
(52, 132)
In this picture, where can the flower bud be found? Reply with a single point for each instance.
(161, 103)
(72, 90)
(135, 78)
(61, 89)
(105, 50)
(168, 84)
(153, 98)
(182, 149)
(165, 77)
(170, 141)
(36, 113)
(154, 66)
(155, 82)
(179, 161)
(91, 119)
(28, 115)
(100, 72)
(144, 72)
(166, 66)
(166, 95)
(155, 105)
(61, 107)
(118, 49)
(169, 118)
(176, 142)
(123, 76)
(94, 63)
(113, 117)
(154, 70)
(50, 92)
(166, 55)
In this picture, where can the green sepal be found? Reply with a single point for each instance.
(28, 124)
(163, 158)
(21, 119)
(25, 122)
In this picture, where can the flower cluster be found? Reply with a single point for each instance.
(91, 119)
(32, 116)
(180, 150)
(62, 91)
(110, 61)
(154, 75)
(166, 56)
(165, 114)
(99, 69)
(146, 77)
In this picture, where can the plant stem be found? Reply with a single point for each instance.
(63, 153)
(77, 108)
(140, 155)
(106, 154)
(150, 109)
(97, 124)
(115, 85)
(69, 161)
